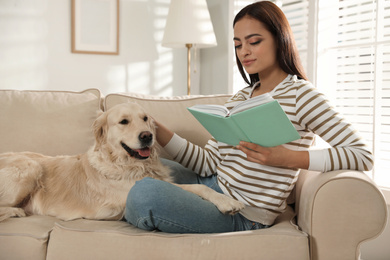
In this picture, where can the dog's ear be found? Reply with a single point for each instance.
(152, 123)
(100, 129)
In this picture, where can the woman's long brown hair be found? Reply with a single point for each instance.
(277, 24)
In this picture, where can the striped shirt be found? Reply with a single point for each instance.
(264, 189)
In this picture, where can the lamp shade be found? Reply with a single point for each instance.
(189, 22)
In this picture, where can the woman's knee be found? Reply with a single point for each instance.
(143, 192)
(139, 200)
(147, 198)
(150, 194)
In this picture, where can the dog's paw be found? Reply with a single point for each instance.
(228, 205)
(18, 212)
(9, 212)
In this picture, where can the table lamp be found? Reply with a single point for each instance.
(189, 25)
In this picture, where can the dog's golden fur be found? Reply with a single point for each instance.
(93, 185)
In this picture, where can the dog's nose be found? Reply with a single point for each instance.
(145, 137)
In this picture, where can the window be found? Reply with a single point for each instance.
(345, 49)
(354, 70)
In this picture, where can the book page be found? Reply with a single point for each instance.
(224, 112)
(252, 102)
(211, 109)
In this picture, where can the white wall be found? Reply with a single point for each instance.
(35, 53)
(216, 68)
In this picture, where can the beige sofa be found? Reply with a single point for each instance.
(334, 212)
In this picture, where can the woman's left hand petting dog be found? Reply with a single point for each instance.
(93, 185)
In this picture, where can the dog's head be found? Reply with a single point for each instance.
(125, 131)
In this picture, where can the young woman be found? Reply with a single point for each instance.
(262, 178)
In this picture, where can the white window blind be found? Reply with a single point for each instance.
(297, 13)
(354, 70)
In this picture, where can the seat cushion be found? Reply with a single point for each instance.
(25, 238)
(48, 122)
(86, 239)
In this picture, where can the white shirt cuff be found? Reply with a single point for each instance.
(174, 145)
(317, 160)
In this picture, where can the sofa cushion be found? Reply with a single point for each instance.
(86, 239)
(48, 122)
(25, 238)
(172, 112)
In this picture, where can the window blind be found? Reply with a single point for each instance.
(297, 13)
(354, 70)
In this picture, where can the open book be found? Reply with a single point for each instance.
(260, 120)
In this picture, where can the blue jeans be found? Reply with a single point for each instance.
(157, 205)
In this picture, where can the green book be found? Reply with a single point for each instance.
(260, 120)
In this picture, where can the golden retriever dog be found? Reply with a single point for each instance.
(93, 185)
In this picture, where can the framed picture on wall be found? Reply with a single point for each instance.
(95, 26)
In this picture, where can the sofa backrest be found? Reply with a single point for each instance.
(60, 122)
(48, 122)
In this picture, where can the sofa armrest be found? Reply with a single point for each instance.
(339, 210)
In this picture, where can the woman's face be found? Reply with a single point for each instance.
(255, 47)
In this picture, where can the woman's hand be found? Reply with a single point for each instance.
(163, 134)
(278, 156)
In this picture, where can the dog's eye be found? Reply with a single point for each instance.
(145, 118)
(124, 122)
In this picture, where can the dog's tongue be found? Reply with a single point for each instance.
(144, 152)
